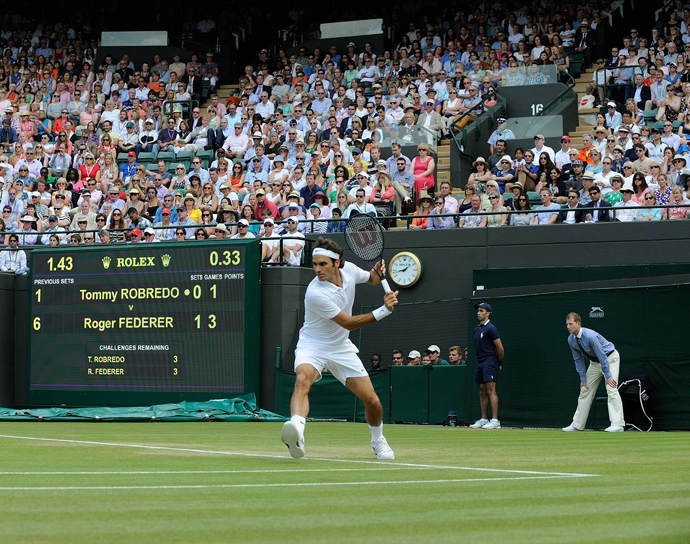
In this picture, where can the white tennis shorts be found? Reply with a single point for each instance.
(343, 364)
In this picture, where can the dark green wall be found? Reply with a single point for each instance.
(538, 385)
(449, 257)
(495, 278)
(7, 308)
(282, 315)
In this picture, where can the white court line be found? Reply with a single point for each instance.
(306, 484)
(135, 472)
(268, 456)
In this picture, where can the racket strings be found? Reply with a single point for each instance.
(364, 237)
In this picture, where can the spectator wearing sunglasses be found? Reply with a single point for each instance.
(439, 222)
(150, 236)
(602, 211)
(649, 214)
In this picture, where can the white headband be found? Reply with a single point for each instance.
(325, 252)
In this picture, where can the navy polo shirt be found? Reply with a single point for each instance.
(307, 193)
(484, 347)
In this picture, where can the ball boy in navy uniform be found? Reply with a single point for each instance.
(489, 351)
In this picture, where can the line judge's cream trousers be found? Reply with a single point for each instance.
(584, 401)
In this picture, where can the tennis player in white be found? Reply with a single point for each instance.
(324, 343)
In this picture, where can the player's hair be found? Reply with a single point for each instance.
(455, 348)
(575, 317)
(327, 243)
(395, 351)
(13, 237)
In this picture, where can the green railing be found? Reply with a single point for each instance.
(570, 85)
(187, 106)
(476, 113)
(308, 222)
(612, 210)
(608, 85)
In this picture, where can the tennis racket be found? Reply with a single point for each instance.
(364, 237)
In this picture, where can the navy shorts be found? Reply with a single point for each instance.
(486, 371)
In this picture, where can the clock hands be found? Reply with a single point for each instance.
(405, 269)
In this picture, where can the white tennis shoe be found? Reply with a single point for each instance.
(493, 424)
(479, 423)
(290, 435)
(614, 429)
(570, 429)
(382, 449)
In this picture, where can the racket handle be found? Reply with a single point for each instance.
(386, 287)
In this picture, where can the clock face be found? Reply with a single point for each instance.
(405, 269)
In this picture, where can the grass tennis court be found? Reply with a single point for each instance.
(234, 482)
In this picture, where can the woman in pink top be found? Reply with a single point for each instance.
(640, 187)
(86, 116)
(677, 198)
(422, 168)
(383, 195)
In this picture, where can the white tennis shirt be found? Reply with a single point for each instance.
(322, 303)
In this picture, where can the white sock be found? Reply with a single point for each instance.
(376, 432)
(300, 422)
(493, 419)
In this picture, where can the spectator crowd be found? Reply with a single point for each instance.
(112, 152)
(430, 357)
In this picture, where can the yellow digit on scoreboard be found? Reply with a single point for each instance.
(62, 264)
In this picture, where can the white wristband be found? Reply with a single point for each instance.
(381, 312)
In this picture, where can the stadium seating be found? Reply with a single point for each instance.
(428, 39)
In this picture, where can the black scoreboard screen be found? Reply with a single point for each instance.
(144, 323)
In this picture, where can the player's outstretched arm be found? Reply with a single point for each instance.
(354, 322)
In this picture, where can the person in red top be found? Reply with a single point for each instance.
(63, 122)
(89, 169)
(422, 167)
(262, 203)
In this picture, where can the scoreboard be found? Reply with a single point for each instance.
(144, 323)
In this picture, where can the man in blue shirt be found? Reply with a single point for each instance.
(489, 351)
(547, 213)
(128, 169)
(308, 191)
(604, 361)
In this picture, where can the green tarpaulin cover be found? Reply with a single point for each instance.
(237, 409)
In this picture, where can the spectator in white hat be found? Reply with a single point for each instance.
(243, 234)
(294, 242)
(414, 358)
(627, 215)
(433, 351)
(28, 235)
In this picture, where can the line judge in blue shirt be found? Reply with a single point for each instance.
(489, 351)
(604, 361)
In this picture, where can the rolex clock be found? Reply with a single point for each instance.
(405, 269)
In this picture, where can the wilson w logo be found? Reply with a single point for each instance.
(364, 238)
